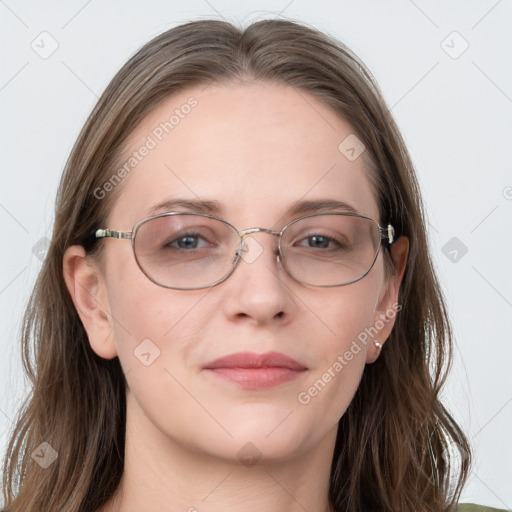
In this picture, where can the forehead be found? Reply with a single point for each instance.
(253, 147)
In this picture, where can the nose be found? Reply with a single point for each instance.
(258, 289)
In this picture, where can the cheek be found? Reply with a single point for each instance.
(346, 317)
(139, 308)
(347, 313)
(150, 323)
(154, 344)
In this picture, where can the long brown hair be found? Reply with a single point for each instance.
(394, 449)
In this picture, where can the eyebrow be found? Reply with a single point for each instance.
(213, 207)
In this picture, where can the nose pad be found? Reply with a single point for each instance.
(250, 249)
(238, 251)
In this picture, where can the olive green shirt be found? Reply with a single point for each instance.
(469, 507)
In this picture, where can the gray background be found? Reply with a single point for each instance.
(452, 103)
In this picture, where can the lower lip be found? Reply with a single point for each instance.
(257, 378)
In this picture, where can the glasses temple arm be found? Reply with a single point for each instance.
(107, 233)
(388, 234)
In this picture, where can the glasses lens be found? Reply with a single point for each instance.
(330, 250)
(185, 251)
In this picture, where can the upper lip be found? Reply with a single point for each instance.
(253, 360)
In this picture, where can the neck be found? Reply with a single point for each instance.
(159, 472)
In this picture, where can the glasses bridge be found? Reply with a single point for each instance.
(249, 231)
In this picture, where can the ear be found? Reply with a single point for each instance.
(386, 308)
(88, 291)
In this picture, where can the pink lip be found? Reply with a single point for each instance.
(256, 371)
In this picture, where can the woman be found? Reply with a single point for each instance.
(238, 308)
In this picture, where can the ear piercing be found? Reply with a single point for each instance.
(378, 345)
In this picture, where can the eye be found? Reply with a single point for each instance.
(186, 241)
(318, 241)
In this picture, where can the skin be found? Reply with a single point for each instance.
(255, 147)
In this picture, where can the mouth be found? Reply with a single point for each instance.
(256, 371)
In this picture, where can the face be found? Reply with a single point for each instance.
(255, 148)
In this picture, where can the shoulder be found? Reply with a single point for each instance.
(470, 507)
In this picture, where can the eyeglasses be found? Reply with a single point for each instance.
(188, 250)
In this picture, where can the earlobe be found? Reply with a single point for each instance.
(88, 293)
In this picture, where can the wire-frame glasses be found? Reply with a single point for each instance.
(189, 250)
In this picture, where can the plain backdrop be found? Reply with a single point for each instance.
(446, 72)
